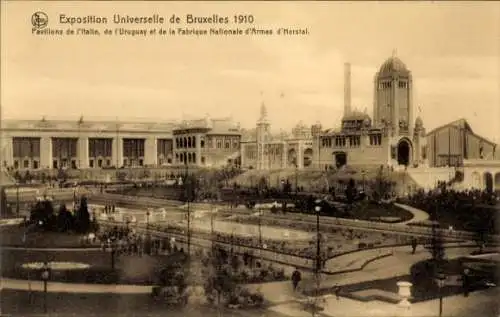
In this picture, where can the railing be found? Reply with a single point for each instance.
(198, 239)
(361, 224)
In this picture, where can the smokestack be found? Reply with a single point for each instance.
(347, 88)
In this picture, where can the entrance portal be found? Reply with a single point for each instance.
(340, 159)
(403, 152)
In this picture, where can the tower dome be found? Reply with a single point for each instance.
(393, 65)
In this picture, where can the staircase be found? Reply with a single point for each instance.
(6, 178)
(428, 177)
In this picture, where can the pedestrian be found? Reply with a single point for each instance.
(337, 292)
(413, 245)
(296, 278)
(466, 282)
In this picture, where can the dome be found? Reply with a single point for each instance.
(393, 65)
(419, 123)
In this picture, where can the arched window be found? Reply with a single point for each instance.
(194, 157)
(184, 143)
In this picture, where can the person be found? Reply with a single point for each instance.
(413, 245)
(466, 282)
(296, 277)
(337, 292)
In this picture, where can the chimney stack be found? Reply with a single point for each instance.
(347, 88)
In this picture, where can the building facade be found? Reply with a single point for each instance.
(455, 142)
(54, 144)
(263, 150)
(392, 137)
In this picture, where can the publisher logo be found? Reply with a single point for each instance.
(39, 20)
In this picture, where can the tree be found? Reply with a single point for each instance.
(65, 221)
(220, 283)
(381, 187)
(42, 214)
(27, 177)
(82, 217)
(3, 202)
(350, 191)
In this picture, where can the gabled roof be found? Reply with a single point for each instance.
(460, 124)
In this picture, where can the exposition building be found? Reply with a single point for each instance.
(392, 137)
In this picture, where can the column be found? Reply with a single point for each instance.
(7, 151)
(300, 155)
(46, 152)
(83, 152)
(117, 152)
(376, 119)
(197, 144)
(151, 151)
(284, 155)
(395, 104)
(242, 154)
(411, 114)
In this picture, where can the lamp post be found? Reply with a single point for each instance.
(188, 198)
(440, 282)
(112, 249)
(260, 228)
(363, 174)
(296, 179)
(17, 198)
(318, 247)
(45, 277)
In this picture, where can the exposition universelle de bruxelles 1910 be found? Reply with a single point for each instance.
(130, 25)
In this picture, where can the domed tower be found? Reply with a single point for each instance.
(393, 104)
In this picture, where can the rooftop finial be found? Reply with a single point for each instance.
(394, 52)
(263, 111)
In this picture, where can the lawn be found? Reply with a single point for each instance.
(370, 210)
(13, 236)
(63, 304)
(129, 269)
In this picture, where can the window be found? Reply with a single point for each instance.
(340, 141)
(108, 163)
(355, 141)
(26, 164)
(16, 164)
(73, 164)
(141, 162)
(375, 139)
(202, 143)
(228, 145)
(35, 164)
(54, 164)
(219, 144)
(202, 160)
(125, 162)
(91, 163)
(99, 163)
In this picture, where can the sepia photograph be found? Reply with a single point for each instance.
(250, 158)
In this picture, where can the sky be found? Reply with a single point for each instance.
(452, 49)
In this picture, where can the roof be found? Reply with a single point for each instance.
(355, 115)
(459, 124)
(393, 65)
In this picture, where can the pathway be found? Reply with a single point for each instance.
(418, 215)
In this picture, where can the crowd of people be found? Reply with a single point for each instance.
(463, 210)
